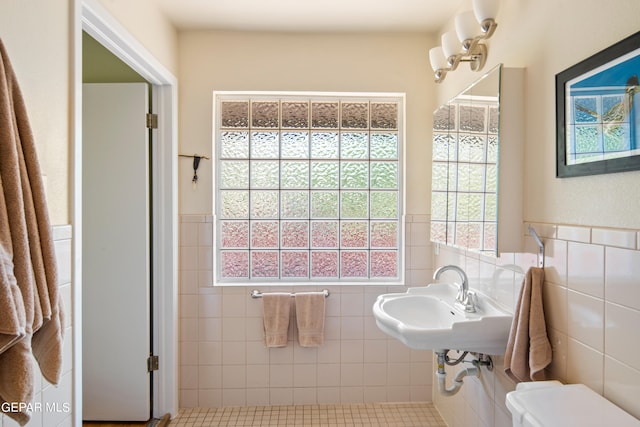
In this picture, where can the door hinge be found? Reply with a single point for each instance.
(153, 363)
(152, 121)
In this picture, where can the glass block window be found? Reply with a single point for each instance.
(464, 206)
(308, 188)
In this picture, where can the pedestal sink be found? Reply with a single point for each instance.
(426, 318)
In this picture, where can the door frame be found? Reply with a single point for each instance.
(90, 16)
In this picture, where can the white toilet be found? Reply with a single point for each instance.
(552, 404)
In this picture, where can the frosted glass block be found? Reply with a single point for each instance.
(354, 204)
(264, 264)
(492, 179)
(492, 149)
(354, 145)
(461, 234)
(234, 204)
(462, 206)
(295, 263)
(294, 145)
(354, 264)
(463, 177)
(384, 115)
(295, 114)
(588, 139)
(295, 204)
(451, 233)
(438, 206)
(440, 176)
(234, 145)
(444, 119)
(355, 115)
(490, 207)
(586, 109)
(384, 204)
(444, 147)
(295, 234)
(265, 145)
(354, 174)
(324, 175)
(384, 175)
(475, 207)
(473, 118)
(234, 114)
(617, 137)
(384, 264)
(324, 115)
(324, 264)
(324, 204)
(324, 145)
(472, 148)
(234, 264)
(476, 177)
(490, 237)
(264, 114)
(264, 204)
(295, 174)
(494, 120)
(354, 234)
(384, 146)
(384, 234)
(264, 234)
(474, 237)
(265, 174)
(235, 234)
(234, 174)
(324, 234)
(438, 232)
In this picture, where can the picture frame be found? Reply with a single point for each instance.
(598, 112)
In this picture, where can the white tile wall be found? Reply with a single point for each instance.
(223, 360)
(56, 401)
(592, 309)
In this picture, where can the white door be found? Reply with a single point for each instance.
(115, 252)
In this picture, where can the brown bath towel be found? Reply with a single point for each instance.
(310, 318)
(277, 310)
(528, 349)
(25, 235)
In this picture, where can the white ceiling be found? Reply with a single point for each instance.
(311, 15)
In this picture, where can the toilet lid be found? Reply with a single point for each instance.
(569, 405)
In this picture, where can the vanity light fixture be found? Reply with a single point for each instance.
(464, 45)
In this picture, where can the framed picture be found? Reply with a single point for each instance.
(598, 112)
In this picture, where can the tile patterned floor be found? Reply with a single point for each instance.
(378, 414)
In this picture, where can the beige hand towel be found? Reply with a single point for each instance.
(528, 349)
(310, 318)
(277, 310)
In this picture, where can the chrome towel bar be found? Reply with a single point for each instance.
(257, 294)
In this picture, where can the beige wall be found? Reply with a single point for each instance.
(302, 62)
(547, 37)
(145, 22)
(37, 37)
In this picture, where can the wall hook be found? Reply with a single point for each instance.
(196, 163)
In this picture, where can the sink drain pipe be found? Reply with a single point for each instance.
(457, 380)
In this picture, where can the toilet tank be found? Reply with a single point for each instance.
(552, 404)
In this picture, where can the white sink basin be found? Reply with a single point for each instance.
(426, 318)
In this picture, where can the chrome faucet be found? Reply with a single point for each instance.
(464, 298)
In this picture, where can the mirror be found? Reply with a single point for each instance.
(467, 145)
